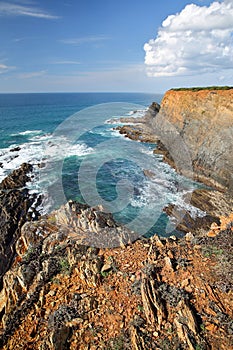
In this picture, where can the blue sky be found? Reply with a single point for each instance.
(106, 45)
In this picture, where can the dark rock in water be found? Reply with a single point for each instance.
(186, 223)
(213, 204)
(17, 179)
(14, 211)
(15, 149)
(1, 165)
(141, 128)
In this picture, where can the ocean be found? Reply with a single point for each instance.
(78, 155)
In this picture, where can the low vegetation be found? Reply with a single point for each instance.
(195, 89)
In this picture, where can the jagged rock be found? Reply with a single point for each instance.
(186, 326)
(15, 149)
(92, 226)
(17, 179)
(141, 129)
(154, 109)
(187, 316)
(152, 303)
(212, 202)
(136, 340)
(15, 203)
(89, 268)
(187, 223)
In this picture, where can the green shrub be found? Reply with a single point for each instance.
(195, 89)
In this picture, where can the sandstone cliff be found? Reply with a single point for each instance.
(204, 119)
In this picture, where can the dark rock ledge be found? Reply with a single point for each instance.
(15, 202)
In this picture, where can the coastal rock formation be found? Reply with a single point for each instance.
(212, 203)
(204, 120)
(140, 129)
(193, 139)
(152, 294)
(73, 274)
(15, 204)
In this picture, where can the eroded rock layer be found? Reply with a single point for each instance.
(204, 119)
(152, 294)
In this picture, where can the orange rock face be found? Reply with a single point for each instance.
(204, 119)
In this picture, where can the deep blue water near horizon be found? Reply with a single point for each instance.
(45, 111)
(27, 126)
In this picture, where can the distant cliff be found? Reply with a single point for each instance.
(204, 119)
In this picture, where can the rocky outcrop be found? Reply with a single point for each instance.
(192, 137)
(15, 203)
(204, 120)
(140, 128)
(64, 288)
(193, 126)
(152, 294)
(212, 203)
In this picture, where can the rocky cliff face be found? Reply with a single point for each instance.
(60, 292)
(15, 210)
(204, 119)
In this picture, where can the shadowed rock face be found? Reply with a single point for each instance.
(14, 205)
(204, 119)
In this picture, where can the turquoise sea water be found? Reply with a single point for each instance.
(78, 155)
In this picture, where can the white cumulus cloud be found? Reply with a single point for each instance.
(197, 40)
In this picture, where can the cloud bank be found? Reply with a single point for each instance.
(12, 9)
(197, 40)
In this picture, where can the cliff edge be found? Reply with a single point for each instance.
(204, 119)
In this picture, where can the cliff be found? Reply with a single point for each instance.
(59, 292)
(204, 120)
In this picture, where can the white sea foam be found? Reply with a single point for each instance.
(41, 148)
(115, 133)
(166, 187)
(28, 132)
(136, 114)
(147, 151)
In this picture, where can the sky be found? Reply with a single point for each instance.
(114, 46)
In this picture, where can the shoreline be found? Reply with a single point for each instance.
(64, 287)
(208, 200)
(145, 292)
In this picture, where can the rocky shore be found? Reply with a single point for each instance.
(75, 279)
(62, 293)
(199, 123)
(202, 120)
(15, 210)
